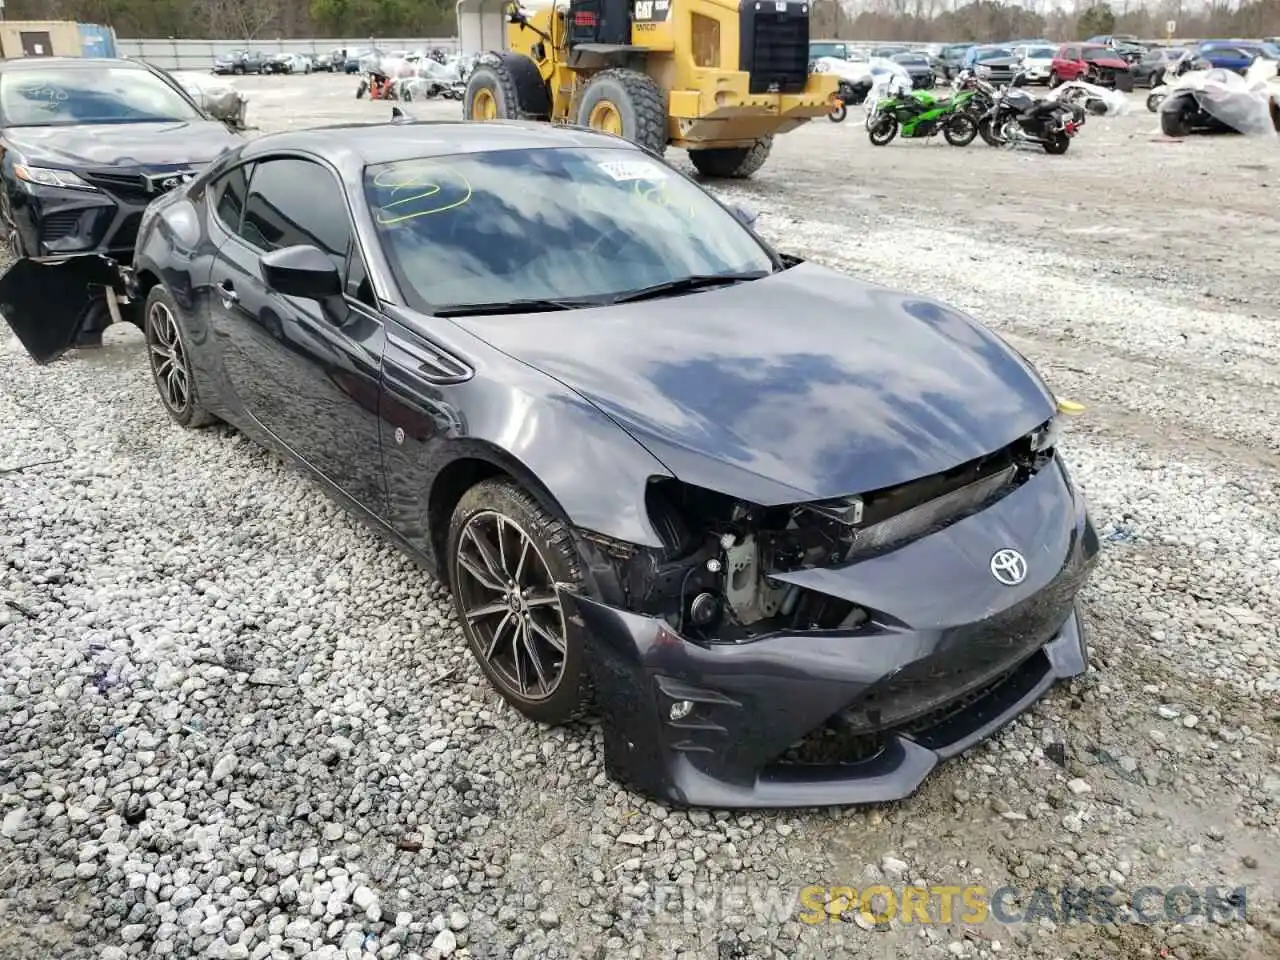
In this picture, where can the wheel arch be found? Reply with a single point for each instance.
(474, 462)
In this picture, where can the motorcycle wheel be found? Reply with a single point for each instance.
(883, 131)
(361, 89)
(986, 130)
(959, 130)
(838, 114)
(1154, 100)
(1057, 144)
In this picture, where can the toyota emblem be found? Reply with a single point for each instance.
(1009, 567)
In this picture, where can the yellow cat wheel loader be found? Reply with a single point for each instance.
(719, 78)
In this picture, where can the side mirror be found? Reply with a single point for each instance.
(744, 215)
(302, 271)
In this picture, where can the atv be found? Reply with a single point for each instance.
(921, 114)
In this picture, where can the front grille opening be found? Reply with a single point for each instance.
(833, 744)
(123, 186)
(844, 741)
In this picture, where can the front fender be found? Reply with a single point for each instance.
(481, 404)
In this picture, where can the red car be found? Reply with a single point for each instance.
(1091, 62)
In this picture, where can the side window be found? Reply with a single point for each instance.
(294, 201)
(228, 196)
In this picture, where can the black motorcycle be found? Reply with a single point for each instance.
(1015, 117)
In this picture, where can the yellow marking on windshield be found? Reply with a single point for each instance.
(656, 193)
(419, 184)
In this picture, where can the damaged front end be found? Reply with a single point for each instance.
(53, 304)
(834, 652)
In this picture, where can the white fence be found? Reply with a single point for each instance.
(200, 54)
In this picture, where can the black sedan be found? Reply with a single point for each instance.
(919, 67)
(87, 144)
(797, 538)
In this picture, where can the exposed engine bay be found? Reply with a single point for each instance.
(713, 582)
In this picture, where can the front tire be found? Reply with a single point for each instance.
(625, 103)
(506, 556)
(1054, 79)
(1154, 100)
(838, 114)
(987, 131)
(883, 131)
(171, 369)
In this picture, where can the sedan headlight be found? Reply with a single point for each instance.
(49, 177)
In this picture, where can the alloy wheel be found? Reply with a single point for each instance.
(508, 598)
(169, 363)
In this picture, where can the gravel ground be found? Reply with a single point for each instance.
(233, 724)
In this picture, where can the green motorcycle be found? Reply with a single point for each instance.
(920, 114)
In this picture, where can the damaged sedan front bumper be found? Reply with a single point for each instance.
(51, 302)
(833, 717)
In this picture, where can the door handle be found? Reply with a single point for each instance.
(227, 293)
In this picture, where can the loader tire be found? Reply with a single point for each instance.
(626, 103)
(511, 82)
(732, 163)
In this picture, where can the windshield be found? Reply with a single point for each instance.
(911, 58)
(826, 50)
(1098, 53)
(1042, 53)
(992, 53)
(43, 98)
(557, 224)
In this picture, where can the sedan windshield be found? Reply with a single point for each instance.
(50, 97)
(1041, 53)
(552, 225)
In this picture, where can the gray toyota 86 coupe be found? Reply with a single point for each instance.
(794, 538)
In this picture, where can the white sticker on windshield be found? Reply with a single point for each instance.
(633, 170)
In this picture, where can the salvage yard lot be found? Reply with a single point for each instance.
(189, 631)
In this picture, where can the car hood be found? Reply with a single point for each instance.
(1002, 62)
(804, 385)
(163, 144)
(1109, 61)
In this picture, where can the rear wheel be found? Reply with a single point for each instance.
(732, 163)
(1057, 143)
(959, 130)
(883, 130)
(625, 103)
(171, 368)
(505, 87)
(506, 557)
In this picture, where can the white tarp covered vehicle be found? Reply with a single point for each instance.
(1099, 101)
(218, 98)
(1219, 101)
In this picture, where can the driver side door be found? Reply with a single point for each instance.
(307, 371)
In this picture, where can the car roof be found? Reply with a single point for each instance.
(357, 145)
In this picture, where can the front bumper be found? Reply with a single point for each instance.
(849, 717)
